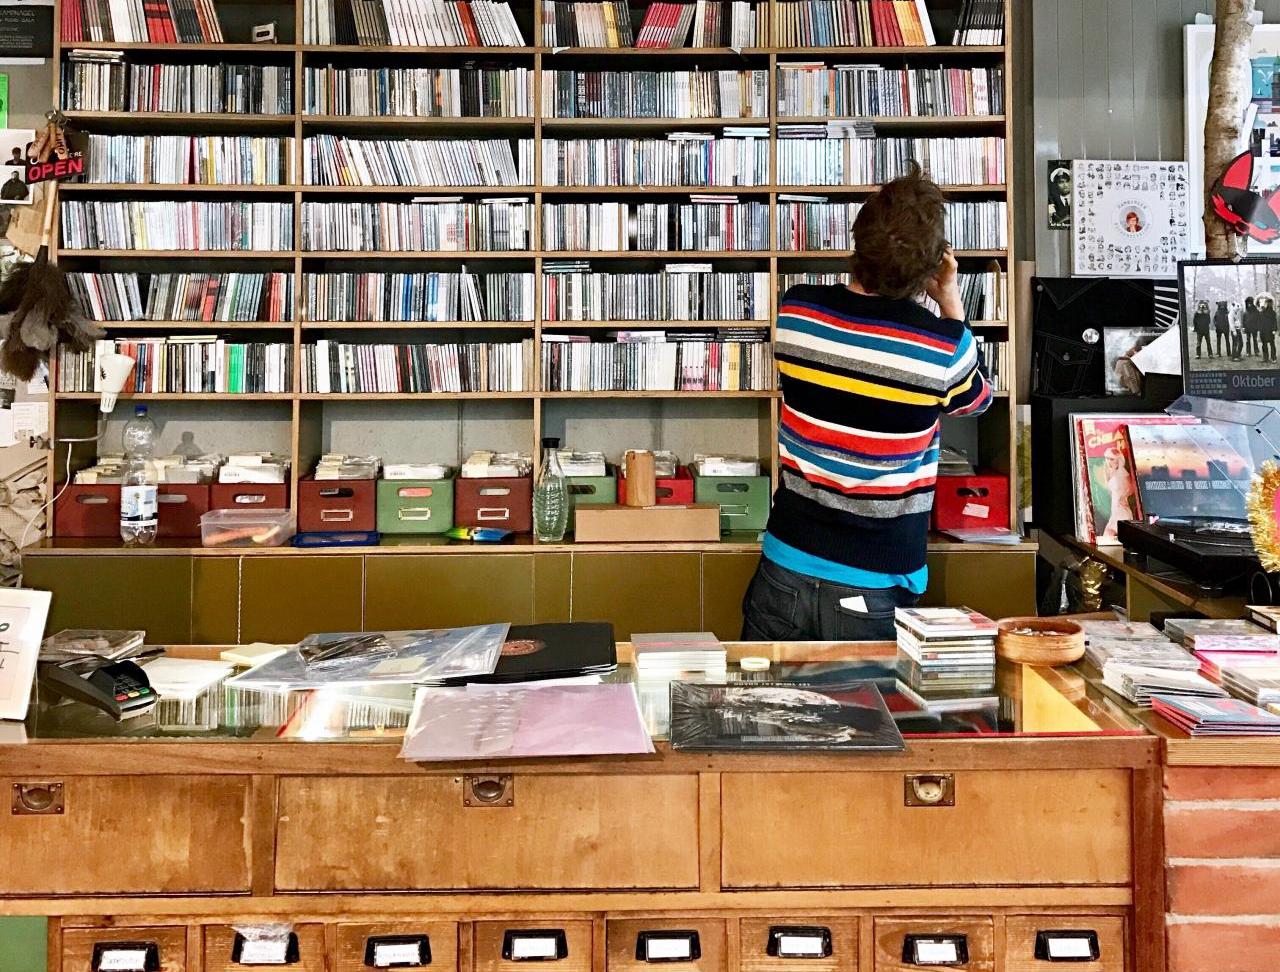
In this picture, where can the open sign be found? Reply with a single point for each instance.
(56, 169)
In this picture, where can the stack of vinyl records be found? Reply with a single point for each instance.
(579, 650)
(946, 645)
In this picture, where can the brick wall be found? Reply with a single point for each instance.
(1222, 844)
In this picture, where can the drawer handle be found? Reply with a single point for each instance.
(93, 499)
(734, 509)
(328, 492)
(541, 945)
(732, 487)
(929, 790)
(413, 514)
(414, 492)
(930, 950)
(668, 946)
(249, 499)
(337, 516)
(37, 799)
(582, 489)
(173, 499)
(265, 951)
(488, 791)
(1061, 945)
(487, 513)
(494, 491)
(799, 942)
(397, 951)
(126, 957)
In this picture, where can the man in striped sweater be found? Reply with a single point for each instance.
(866, 374)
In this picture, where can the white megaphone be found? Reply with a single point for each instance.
(113, 372)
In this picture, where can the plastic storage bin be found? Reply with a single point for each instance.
(326, 505)
(246, 528)
(743, 500)
(415, 506)
(971, 501)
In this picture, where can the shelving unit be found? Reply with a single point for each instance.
(612, 421)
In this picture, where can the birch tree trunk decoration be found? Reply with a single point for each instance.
(1230, 84)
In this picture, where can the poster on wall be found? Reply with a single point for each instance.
(1129, 219)
(1059, 190)
(1261, 130)
(26, 31)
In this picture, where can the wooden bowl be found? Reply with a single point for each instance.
(1040, 641)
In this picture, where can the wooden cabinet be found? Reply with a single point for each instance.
(909, 944)
(816, 830)
(561, 831)
(356, 945)
(543, 944)
(194, 839)
(674, 943)
(220, 943)
(791, 947)
(1065, 942)
(83, 947)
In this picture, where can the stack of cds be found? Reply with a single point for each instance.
(952, 646)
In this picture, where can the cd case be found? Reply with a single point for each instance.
(781, 716)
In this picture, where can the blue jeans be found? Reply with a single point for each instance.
(781, 605)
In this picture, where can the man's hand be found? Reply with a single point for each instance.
(944, 287)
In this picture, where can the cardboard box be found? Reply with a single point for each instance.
(647, 524)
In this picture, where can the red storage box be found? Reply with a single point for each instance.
(337, 504)
(179, 508)
(249, 496)
(88, 511)
(675, 490)
(503, 503)
(971, 501)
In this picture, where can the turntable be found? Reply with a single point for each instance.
(1216, 554)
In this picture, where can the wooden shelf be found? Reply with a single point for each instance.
(194, 325)
(645, 325)
(418, 325)
(905, 121)
(421, 190)
(383, 49)
(939, 50)
(183, 254)
(412, 396)
(414, 121)
(172, 48)
(175, 189)
(419, 254)
(658, 394)
(180, 396)
(117, 119)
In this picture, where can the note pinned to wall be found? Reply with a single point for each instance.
(22, 617)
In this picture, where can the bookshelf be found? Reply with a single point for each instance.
(445, 426)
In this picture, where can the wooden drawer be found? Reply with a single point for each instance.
(353, 943)
(405, 833)
(196, 838)
(1021, 932)
(219, 941)
(625, 948)
(80, 946)
(572, 940)
(757, 933)
(894, 952)
(813, 830)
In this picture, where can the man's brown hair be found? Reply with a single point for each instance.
(899, 237)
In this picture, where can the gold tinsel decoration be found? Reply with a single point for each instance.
(1262, 515)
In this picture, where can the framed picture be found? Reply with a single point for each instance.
(22, 617)
(1261, 131)
(1058, 203)
(1129, 219)
(1229, 324)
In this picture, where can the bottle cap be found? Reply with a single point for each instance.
(550, 442)
(139, 410)
(753, 663)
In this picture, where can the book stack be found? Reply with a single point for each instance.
(335, 160)
(150, 224)
(466, 92)
(657, 361)
(840, 153)
(211, 160)
(431, 297)
(411, 23)
(185, 364)
(739, 158)
(809, 88)
(1216, 716)
(671, 655)
(703, 223)
(980, 22)
(447, 224)
(680, 292)
(655, 94)
(103, 81)
(946, 645)
(337, 367)
(184, 296)
(141, 21)
(853, 23)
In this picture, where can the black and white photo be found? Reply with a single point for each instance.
(1230, 319)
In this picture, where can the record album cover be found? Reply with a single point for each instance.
(542, 651)
(1129, 218)
(1188, 471)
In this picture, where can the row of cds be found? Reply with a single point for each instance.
(811, 88)
(821, 225)
(807, 156)
(487, 224)
(713, 224)
(190, 159)
(185, 364)
(466, 92)
(212, 297)
(692, 292)
(655, 94)
(422, 297)
(411, 23)
(153, 224)
(333, 160)
(104, 81)
(682, 159)
(655, 362)
(983, 293)
(608, 24)
(335, 366)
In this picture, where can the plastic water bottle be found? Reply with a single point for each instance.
(138, 507)
(551, 497)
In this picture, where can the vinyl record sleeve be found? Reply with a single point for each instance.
(540, 651)
(781, 716)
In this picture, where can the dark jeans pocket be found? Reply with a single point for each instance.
(770, 608)
(860, 614)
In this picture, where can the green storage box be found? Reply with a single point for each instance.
(415, 506)
(591, 491)
(744, 500)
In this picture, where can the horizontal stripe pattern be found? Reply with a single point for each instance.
(865, 382)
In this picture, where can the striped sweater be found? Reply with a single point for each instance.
(865, 382)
